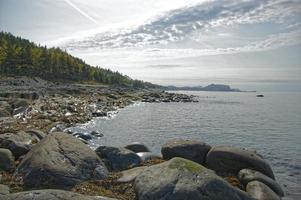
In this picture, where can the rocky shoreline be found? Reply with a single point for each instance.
(40, 158)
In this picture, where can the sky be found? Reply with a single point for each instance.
(250, 44)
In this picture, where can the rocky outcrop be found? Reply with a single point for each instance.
(137, 147)
(7, 160)
(225, 159)
(18, 143)
(260, 191)
(51, 195)
(179, 179)
(60, 161)
(188, 149)
(118, 159)
(247, 175)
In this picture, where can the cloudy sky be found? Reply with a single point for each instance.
(251, 44)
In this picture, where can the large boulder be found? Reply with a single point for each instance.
(260, 191)
(225, 159)
(247, 175)
(188, 149)
(60, 161)
(181, 179)
(7, 160)
(18, 143)
(51, 195)
(137, 147)
(118, 158)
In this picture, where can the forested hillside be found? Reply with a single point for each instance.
(21, 57)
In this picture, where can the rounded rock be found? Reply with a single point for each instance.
(118, 158)
(192, 150)
(7, 160)
(260, 191)
(225, 159)
(247, 175)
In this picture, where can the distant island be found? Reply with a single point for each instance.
(211, 87)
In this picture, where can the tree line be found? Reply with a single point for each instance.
(19, 56)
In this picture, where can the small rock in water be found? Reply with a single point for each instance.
(84, 136)
(96, 134)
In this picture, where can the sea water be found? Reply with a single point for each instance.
(270, 125)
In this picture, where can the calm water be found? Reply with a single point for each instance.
(270, 125)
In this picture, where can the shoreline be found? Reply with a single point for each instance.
(42, 153)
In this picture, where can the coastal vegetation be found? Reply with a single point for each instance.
(19, 56)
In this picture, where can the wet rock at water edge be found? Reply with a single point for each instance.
(147, 156)
(7, 160)
(60, 161)
(96, 134)
(225, 159)
(247, 175)
(260, 191)
(84, 136)
(188, 149)
(137, 147)
(52, 195)
(118, 158)
(179, 179)
(18, 143)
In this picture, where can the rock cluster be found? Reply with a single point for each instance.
(191, 170)
(157, 97)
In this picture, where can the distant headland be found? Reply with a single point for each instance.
(211, 87)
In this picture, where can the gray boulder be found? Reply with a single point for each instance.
(4, 190)
(232, 160)
(191, 150)
(260, 191)
(146, 156)
(18, 143)
(118, 159)
(181, 179)
(137, 147)
(247, 175)
(51, 195)
(7, 160)
(60, 161)
(5, 109)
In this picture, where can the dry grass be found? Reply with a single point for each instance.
(11, 182)
(108, 188)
